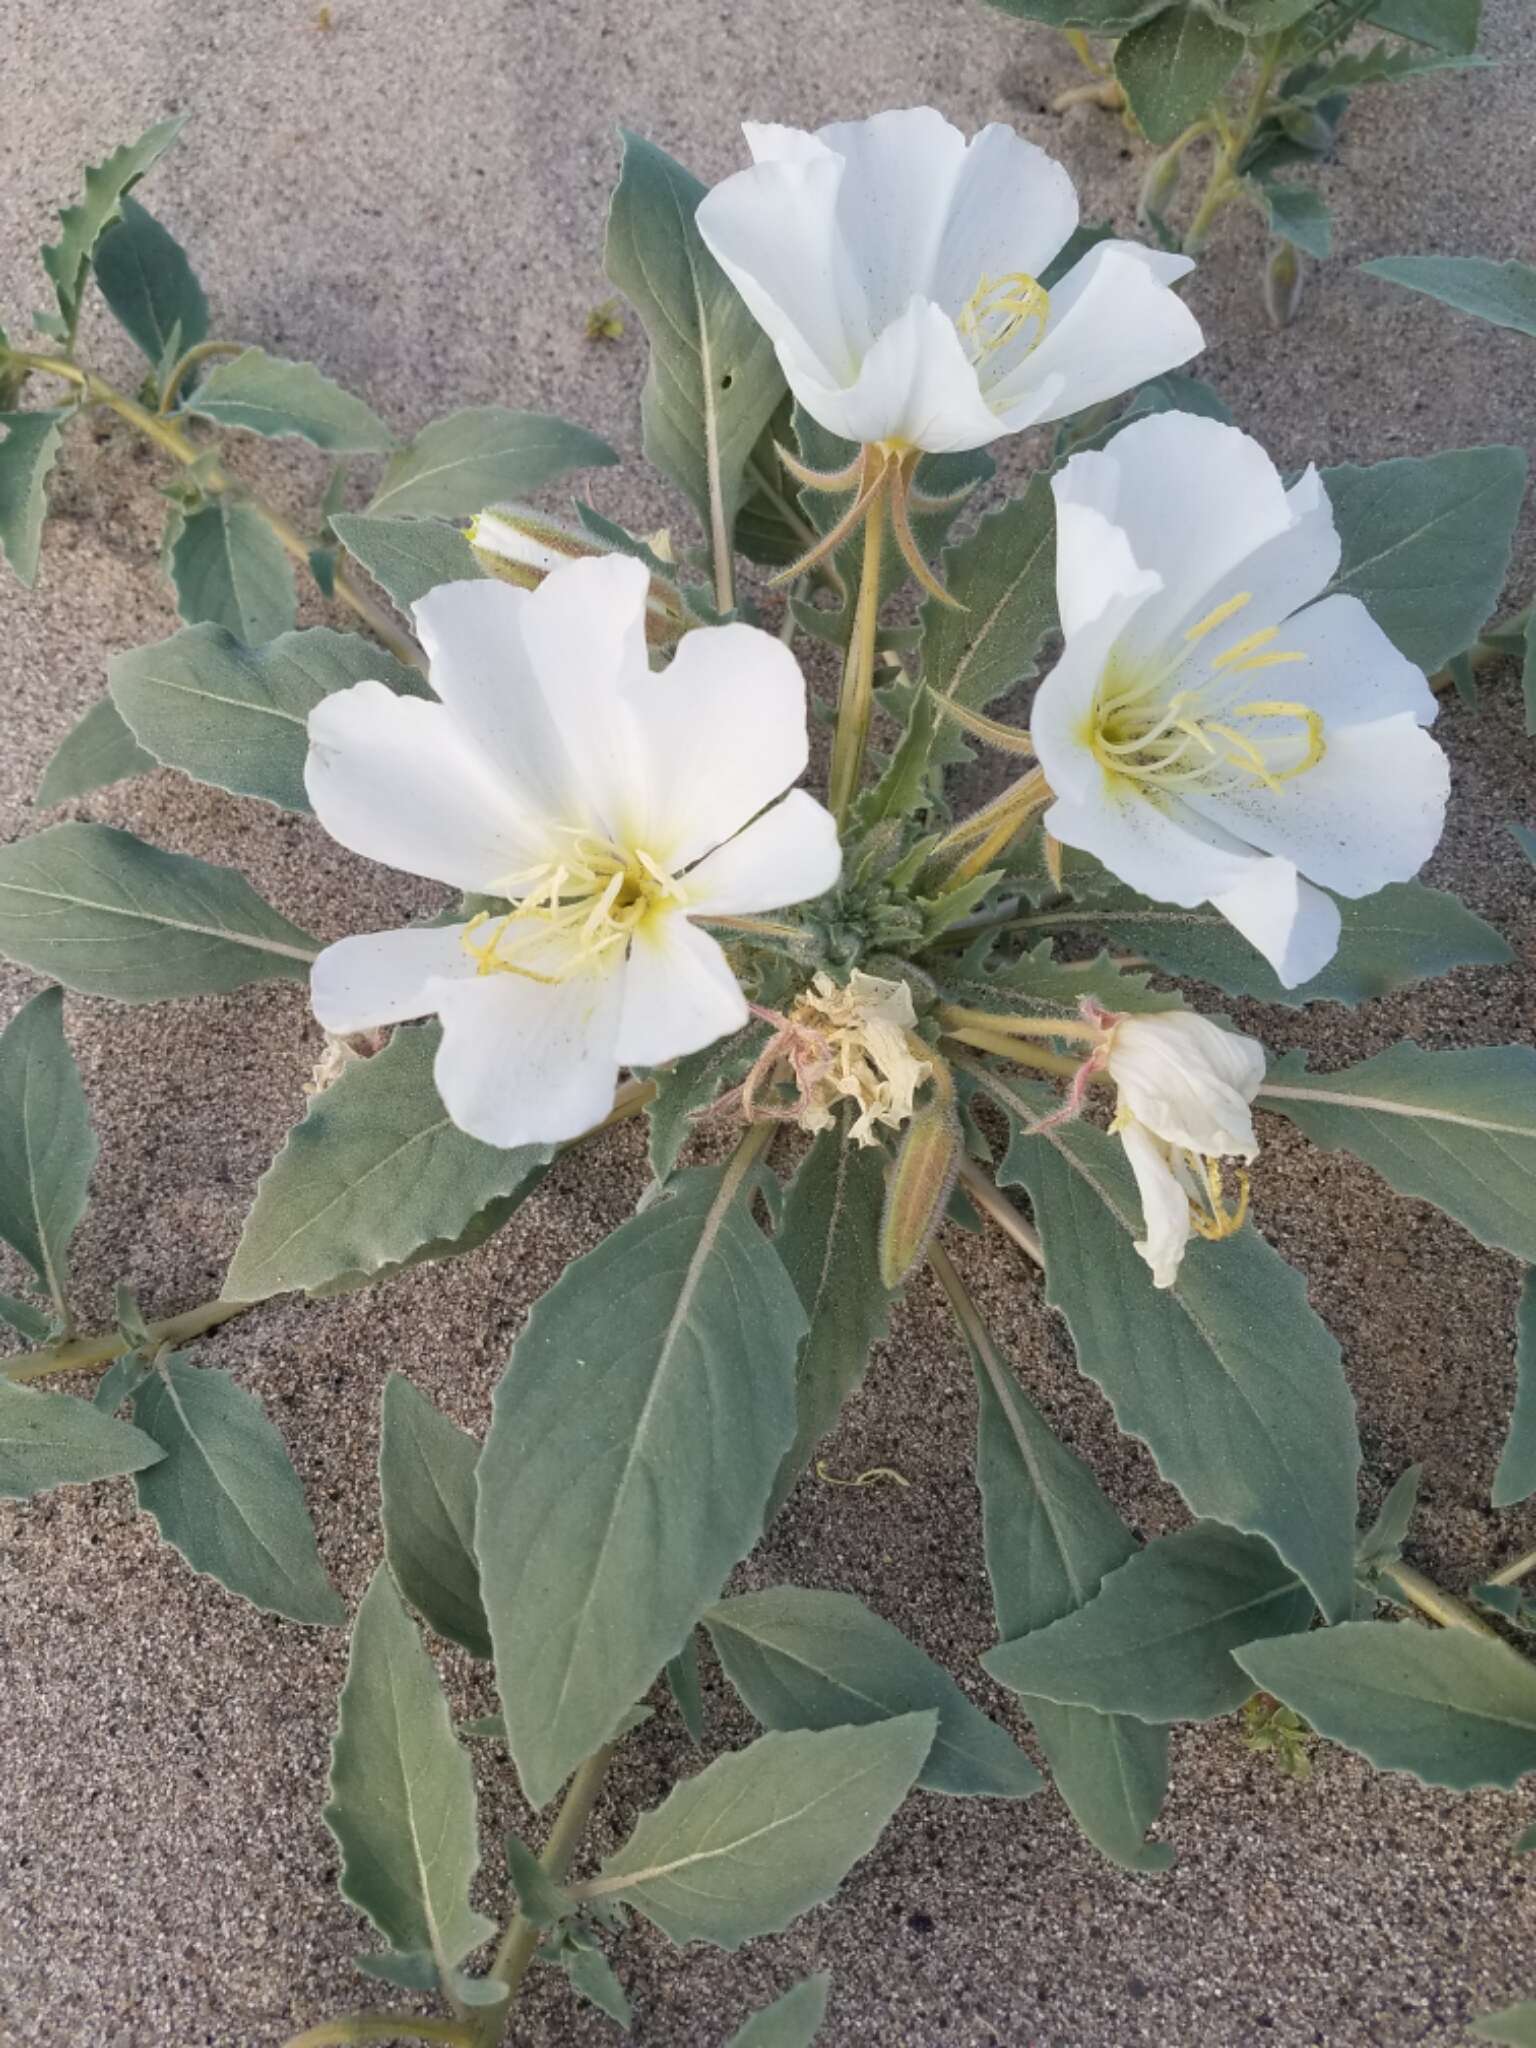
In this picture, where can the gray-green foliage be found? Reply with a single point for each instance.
(402, 1805)
(236, 716)
(47, 1146)
(766, 1833)
(791, 2021)
(230, 570)
(802, 1658)
(375, 1172)
(408, 557)
(427, 1496)
(98, 750)
(637, 1430)
(1515, 2026)
(106, 914)
(1172, 68)
(149, 284)
(1503, 293)
(29, 447)
(1451, 1708)
(67, 261)
(457, 466)
(226, 1495)
(49, 1440)
(1515, 1479)
(263, 394)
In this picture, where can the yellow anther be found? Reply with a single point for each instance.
(1311, 722)
(1219, 1217)
(1219, 616)
(1266, 661)
(571, 913)
(1014, 300)
(1239, 648)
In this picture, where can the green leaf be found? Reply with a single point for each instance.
(98, 750)
(108, 915)
(29, 447)
(49, 1440)
(592, 1977)
(791, 2021)
(1452, 1708)
(1382, 64)
(713, 381)
(809, 1659)
(1227, 1376)
(427, 1489)
(1525, 839)
(683, 1684)
(402, 1804)
(147, 281)
(408, 557)
(1258, 17)
(539, 1898)
(1402, 934)
(1037, 983)
(1173, 67)
(24, 1319)
(768, 1832)
(1503, 293)
(1298, 214)
(124, 1376)
(1383, 1542)
(1050, 1538)
(1427, 541)
(229, 570)
(225, 1494)
(829, 1243)
(458, 465)
(637, 1430)
(1099, 17)
(236, 716)
(1444, 24)
(1454, 1128)
(266, 395)
(376, 1170)
(1515, 1479)
(415, 1970)
(47, 1146)
(68, 260)
(1515, 2025)
(691, 1084)
(1157, 1639)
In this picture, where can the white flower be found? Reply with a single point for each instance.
(896, 268)
(1207, 740)
(604, 806)
(1185, 1086)
(866, 1032)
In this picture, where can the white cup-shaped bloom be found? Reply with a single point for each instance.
(896, 268)
(1184, 1087)
(605, 807)
(1210, 733)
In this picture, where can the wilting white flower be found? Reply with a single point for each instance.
(1185, 1086)
(896, 268)
(604, 807)
(870, 1052)
(1204, 737)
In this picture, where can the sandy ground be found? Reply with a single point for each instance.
(415, 197)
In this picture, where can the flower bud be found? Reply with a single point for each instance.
(519, 545)
(920, 1185)
(1283, 282)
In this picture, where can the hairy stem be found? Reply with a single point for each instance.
(1013, 1049)
(1223, 183)
(1440, 1606)
(172, 441)
(384, 2026)
(1512, 1574)
(189, 361)
(857, 702)
(992, 1202)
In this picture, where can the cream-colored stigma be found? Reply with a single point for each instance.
(1187, 740)
(1000, 310)
(573, 912)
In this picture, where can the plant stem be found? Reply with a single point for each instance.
(88, 1352)
(384, 2026)
(189, 361)
(1223, 183)
(170, 438)
(991, 1200)
(1512, 1574)
(1012, 1049)
(520, 1938)
(856, 704)
(951, 1015)
(1440, 1606)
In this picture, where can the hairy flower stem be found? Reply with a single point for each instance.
(169, 437)
(993, 1203)
(1512, 1574)
(1440, 1606)
(1223, 185)
(1013, 1049)
(520, 1938)
(857, 702)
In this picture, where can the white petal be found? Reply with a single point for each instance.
(915, 384)
(901, 170)
(770, 143)
(381, 977)
(1011, 210)
(1164, 1205)
(397, 780)
(527, 1062)
(1096, 559)
(724, 732)
(1369, 813)
(1354, 674)
(537, 676)
(788, 855)
(1162, 848)
(1113, 324)
(1295, 926)
(679, 994)
(1188, 1081)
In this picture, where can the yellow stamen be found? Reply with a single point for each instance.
(1241, 647)
(581, 907)
(1014, 299)
(1266, 661)
(1219, 616)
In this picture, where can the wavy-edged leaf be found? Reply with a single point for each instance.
(1298, 215)
(792, 2021)
(237, 716)
(1515, 1479)
(1452, 1708)
(98, 750)
(408, 557)
(427, 1494)
(230, 570)
(1173, 67)
(150, 286)
(226, 1495)
(376, 1170)
(1454, 1128)
(637, 1430)
(692, 1084)
(264, 394)
(47, 1146)
(1157, 1639)
(1444, 24)
(68, 259)
(106, 914)
(29, 447)
(402, 1805)
(804, 1658)
(766, 1833)
(1039, 983)
(1227, 1376)
(460, 464)
(1502, 293)
(49, 1440)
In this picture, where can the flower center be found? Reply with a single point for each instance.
(573, 912)
(1209, 735)
(999, 311)
(1213, 1213)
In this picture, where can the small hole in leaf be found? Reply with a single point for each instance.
(727, 380)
